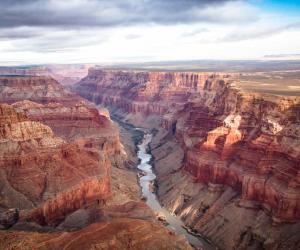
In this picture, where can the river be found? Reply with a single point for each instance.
(145, 182)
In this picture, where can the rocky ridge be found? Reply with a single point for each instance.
(32, 158)
(237, 152)
(67, 74)
(59, 159)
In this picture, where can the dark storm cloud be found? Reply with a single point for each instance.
(101, 13)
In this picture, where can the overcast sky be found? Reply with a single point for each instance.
(95, 31)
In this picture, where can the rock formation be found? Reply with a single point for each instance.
(41, 89)
(43, 99)
(42, 175)
(122, 234)
(237, 152)
(66, 74)
(56, 157)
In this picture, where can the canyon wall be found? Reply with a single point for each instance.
(66, 74)
(56, 149)
(122, 234)
(240, 150)
(62, 168)
(44, 176)
(43, 99)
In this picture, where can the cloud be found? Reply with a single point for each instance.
(58, 41)
(19, 33)
(99, 13)
(194, 32)
(132, 36)
(257, 32)
(37, 25)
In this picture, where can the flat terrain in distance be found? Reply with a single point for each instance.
(285, 82)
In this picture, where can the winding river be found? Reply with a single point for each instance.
(152, 201)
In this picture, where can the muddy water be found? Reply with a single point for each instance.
(152, 201)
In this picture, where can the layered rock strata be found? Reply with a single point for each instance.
(42, 175)
(56, 152)
(121, 234)
(240, 149)
(67, 74)
(142, 92)
(43, 99)
(41, 89)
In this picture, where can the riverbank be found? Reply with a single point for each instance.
(147, 181)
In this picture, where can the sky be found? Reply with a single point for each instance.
(110, 31)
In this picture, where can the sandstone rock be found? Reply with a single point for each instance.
(8, 218)
(244, 142)
(52, 177)
(55, 166)
(64, 74)
(118, 234)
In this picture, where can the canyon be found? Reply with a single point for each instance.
(65, 74)
(227, 159)
(64, 174)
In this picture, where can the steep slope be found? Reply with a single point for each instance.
(41, 89)
(142, 92)
(43, 99)
(43, 174)
(66, 74)
(227, 161)
(121, 234)
(66, 183)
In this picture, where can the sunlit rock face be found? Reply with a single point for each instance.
(142, 92)
(44, 175)
(56, 153)
(252, 146)
(43, 99)
(61, 144)
(241, 150)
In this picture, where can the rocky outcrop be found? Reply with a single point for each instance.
(44, 100)
(142, 92)
(251, 145)
(118, 234)
(56, 152)
(66, 74)
(238, 151)
(44, 176)
(74, 122)
(41, 89)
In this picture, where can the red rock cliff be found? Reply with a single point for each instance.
(43, 99)
(45, 175)
(247, 141)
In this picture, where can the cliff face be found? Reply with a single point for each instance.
(142, 92)
(44, 175)
(41, 89)
(63, 148)
(67, 74)
(122, 234)
(239, 149)
(43, 99)
(56, 153)
(248, 142)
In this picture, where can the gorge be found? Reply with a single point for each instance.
(226, 162)
(221, 153)
(64, 175)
